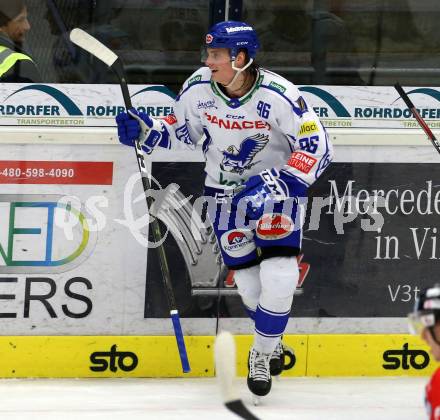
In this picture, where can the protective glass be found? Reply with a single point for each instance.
(418, 321)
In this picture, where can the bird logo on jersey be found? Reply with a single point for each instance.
(238, 161)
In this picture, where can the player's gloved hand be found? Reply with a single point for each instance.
(269, 185)
(134, 125)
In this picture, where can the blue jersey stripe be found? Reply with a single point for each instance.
(189, 87)
(207, 142)
(325, 155)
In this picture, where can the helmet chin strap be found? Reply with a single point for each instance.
(238, 71)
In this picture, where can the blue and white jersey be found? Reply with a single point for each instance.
(272, 126)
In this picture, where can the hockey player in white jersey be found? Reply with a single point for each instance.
(264, 146)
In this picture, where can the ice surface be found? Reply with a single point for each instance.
(291, 398)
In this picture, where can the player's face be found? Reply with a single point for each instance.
(17, 28)
(435, 347)
(219, 62)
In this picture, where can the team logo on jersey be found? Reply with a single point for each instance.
(237, 243)
(182, 134)
(238, 161)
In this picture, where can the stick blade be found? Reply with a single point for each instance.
(225, 365)
(225, 360)
(93, 46)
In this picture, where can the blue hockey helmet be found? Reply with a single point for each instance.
(233, 35)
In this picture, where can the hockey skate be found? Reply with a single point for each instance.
(278, 359)
(258, 380)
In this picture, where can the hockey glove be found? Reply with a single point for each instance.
(138, 125)
(269, 185)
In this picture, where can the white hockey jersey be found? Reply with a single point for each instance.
(272, 126)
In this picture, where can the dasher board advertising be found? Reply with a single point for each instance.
(67, 105)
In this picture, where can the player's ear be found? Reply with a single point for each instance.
(240, 60)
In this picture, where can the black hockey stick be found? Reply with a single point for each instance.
(100, 51)
(417, 116)
(225, 361)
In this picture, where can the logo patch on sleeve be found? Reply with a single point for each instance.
(302, 162)
(194, 79)
(308, 127)
(277, 86)
(302, 104)
(170, 119)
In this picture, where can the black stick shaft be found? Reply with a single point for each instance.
(417, 116)
(155, 230)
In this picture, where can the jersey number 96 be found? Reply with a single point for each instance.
(263, 109)
(309, 144)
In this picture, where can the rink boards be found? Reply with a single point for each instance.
(81, 306)
(142, 356)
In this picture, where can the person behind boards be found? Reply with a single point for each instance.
(16, 65)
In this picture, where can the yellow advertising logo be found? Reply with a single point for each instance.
(405, 358)
(308, 127)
